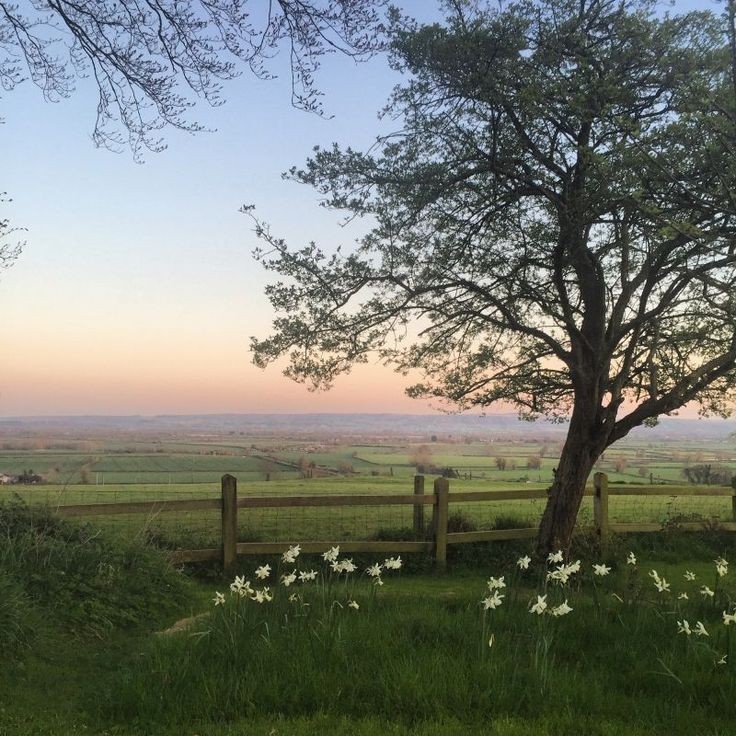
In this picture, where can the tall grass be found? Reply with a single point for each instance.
(85, 579)
(411, 658)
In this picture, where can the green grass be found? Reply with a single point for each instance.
(413, 661)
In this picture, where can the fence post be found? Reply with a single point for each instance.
(440, 508)
(600, 509)
(418, 508)
(229, 523)
(733, 498)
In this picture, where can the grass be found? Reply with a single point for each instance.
(413, 660)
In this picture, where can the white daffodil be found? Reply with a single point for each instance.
(287, 580)
(601, 570)
(562, 610)
(662, 585)
(241, 586)
(492, 602)
(555, 557)
(345, 565)
(263, 572)
(722, 660)
(374, 571)
(392, 563)
(631, 559)
(683, 627)
(540, 606)
(523, 562)
(219, 599)
(307, 577)
(291, 554)
(706, 592)
(332, 554)
(721, 567)
(293, 598)
(689, 575)
(729, 618)
(354, 605)
(700, 629)
(496, 583)
(683, 597)
(562, 573)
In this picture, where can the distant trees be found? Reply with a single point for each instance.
(709, 475)
(534, 462)
(421, 458)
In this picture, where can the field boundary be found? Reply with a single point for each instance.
(430, 536)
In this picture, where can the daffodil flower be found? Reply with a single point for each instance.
(307, 577)
(263, 572)
(332, 554)
(354, 605)
(287, 580)
(700, 629)
(344, 566)
(392, 563)
(523, 562)
(374, 571)
(241, 586)
(631, 559)
(721, 567)
(601, 570)
(496, 583)
(562, 610)
(540, 606)
(683, 627)
(492, 602)
(729, 618)
(722, 660)
(689, 575)
(291, 554)
(219, 599)
(706, 592)
(683, 597)
(555, 557)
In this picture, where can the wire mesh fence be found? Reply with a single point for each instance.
(202, 528)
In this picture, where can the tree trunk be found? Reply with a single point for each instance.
(582, 448)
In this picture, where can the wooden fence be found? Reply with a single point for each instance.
(433, 538)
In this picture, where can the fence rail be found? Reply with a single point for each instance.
(432, 538)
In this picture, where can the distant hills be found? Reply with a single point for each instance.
(443, 426)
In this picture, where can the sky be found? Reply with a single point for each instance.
(136, 292)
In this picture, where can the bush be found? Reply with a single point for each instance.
(81, 577)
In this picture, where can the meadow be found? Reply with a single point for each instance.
(418, 655)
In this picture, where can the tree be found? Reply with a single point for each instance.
(152, 60)
(553, 226)
(421, 458)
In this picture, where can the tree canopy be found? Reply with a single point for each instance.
(551, 226)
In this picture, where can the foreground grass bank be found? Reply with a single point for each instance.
(413, 658)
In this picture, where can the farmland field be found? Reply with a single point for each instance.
(113, 470)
